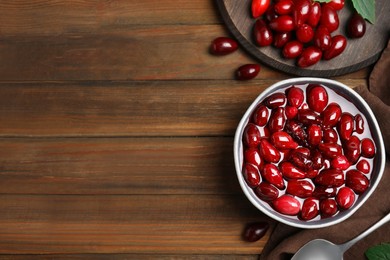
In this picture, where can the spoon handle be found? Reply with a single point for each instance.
(344, 247)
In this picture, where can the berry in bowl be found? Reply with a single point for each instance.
(309, 152)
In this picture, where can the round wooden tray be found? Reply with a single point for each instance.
(358, 54)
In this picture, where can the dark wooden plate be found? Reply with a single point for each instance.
(358, 54)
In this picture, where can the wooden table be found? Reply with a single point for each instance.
(116, 132)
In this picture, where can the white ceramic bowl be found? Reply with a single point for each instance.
(378, 164)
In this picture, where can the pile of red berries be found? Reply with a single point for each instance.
(306, 156)
(303, 29)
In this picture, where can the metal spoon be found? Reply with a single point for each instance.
(321, 249)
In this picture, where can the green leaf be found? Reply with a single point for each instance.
(366, 8)
(379, 252)
(323, 1)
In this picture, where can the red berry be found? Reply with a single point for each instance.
(314, 135)
(260, 116)
(262, 34)
(345, 198)
(352, 149)
(287, 205)
(363, 166)
(268, 151)
(328, 207)
(308, 117)
(356, 26)
(295, 96)
(337, 46)
(322, 192)
(277, 120)
(223, 46)
(336, 4)
(270, 14)
(310, 56)
(331, 115)
(284, 7)
(311, 173)
(330, 178)
(251, 135)
(292, 49)
(317, 97)
(359, 124)
(254, 231)
(368, 148)
(281, 38)
(357, 181)
(290, 112)
(288, 170)
(329, 135)
(345, 126)
(251, 175)
(283, 23)
(252, 156)
(309, 208)
(248, 71)
(340, 162)
(330, 150)
(322, 38)
(301, 11)
(272, 174)
(266, 191)
(259, 7)
(283, 140)
(329, 18)
(314, 14)
(276, 100)
(300, 188)
(304, 33)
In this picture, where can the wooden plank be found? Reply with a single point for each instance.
(118, 166)
(128, 256)
(56, 17)
(126, 224)
(180, 108)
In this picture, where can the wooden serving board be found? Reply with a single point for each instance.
(358, 54)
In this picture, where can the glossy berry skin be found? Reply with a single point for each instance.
(259, 7)
(311, 173)
(314, 14)
(345, 198)
(276, 100)
(292, 49)
(356, 26)
(287, 205)
(314, 135)
(317, 159)
(309, 209)
(251, 135)
(339, 43)
(266, 191)
(352, 149)
(260, 115)
(277, 120)
(252, 156)
(329, 18)
(300, 188)
(284, 7)
(295, 96)
(359, 124)
(308, 117)
(345, 126)
(357, 181)
(304, 33)
(328, 207)
(262, 34)
(322, 192)
(268, 151)
(272, 174)
(310, 56)
(283, 23)
(281, 38)
(290, 112)
(223, 46)
(247, 71)
(363, 166)
(317, 97)
(331, 115)
(270, 14)
(329, 135)
(288, 170)
(330, 150)
(340, 162)
(330, 178)
(251, 175)
(336, 4)
(282, 140)
(254, 231)
(368, 148)
(301, 11)
(322, 38)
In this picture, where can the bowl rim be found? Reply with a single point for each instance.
(374, 128)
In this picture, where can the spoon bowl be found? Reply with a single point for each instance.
(321, 249)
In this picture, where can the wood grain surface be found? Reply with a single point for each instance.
(116, 132)
(359, 53)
